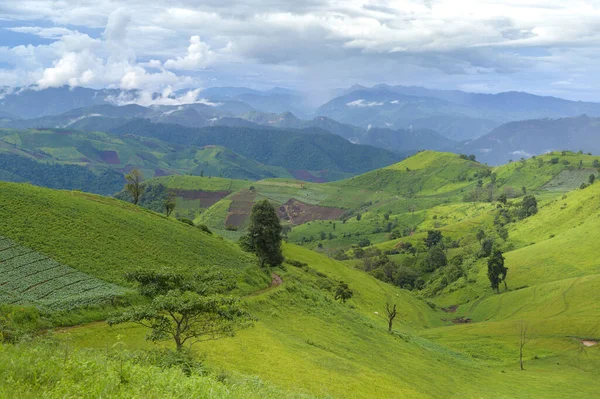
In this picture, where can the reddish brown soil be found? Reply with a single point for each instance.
(275, 280)
(110, 157)
(298, 212)
(207, 198)
(240, 207)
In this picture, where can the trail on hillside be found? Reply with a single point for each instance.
(276, 281)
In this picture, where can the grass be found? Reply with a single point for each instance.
(105, 237)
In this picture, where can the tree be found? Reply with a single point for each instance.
(528, 206)
(496, 270)
(435, 259)
(264, 234)
(391, 314)
(524, 338)
(186, 310)
(592, 179)
(134, 184)
(502, 232)
(434, 237)
(480, 235)
(524, 190)
(596, 163)
(343, 292)
(486, 248)
(169, 205)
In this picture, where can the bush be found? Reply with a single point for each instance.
(204, 228)
(186, 221)
(296, 263)
(18, 321)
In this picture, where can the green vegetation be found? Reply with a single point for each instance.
(448, 289)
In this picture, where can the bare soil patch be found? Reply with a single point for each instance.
(298, 212)
(240, 208)
(207, 198)
(589, 343)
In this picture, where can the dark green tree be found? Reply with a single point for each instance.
(185, 310)
(435, 259)
(592, 178)
(528, 206)
(486, 248)
(480, 235)
(343, 292)
(434, 237)
(496, 270)
(264, 234)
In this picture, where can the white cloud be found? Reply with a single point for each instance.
(199, 55)
(362, 103)
(493, 44)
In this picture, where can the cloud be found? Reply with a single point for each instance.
(199, 55)
(493, 44)
(362, 103)
(167, 97)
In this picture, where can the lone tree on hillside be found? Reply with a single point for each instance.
(169, 205)
(528, 206)
(264, 235)
(524, 338)
(134, 184)
(592, 178)
(434, 237)
(343, 292)
(185, 310)
(391, 314)
(496, 270)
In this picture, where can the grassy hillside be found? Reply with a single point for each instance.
(98, 151)
(105, 237)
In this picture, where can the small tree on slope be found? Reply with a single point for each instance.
(183, 311)
(134, 184)
(264, 234)
(496, 270)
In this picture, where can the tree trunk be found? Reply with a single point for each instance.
(521, 357)
(391, 321)
(505, 286)
(497, 289)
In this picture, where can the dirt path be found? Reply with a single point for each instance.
(276, 281)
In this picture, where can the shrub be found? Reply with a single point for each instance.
(204, 228)
(186, 221)
(231, 227)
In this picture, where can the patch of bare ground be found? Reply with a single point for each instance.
(298, 212)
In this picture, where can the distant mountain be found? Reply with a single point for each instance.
(31, 103)
(403, 141)
(515, 140)
(455, 114)
(309, 149)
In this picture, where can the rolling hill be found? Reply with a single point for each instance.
(305, 343)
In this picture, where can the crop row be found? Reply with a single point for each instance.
(28, 277)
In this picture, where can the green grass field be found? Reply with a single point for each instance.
(305, 342)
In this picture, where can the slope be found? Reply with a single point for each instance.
(105, 237)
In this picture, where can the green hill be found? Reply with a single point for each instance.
(105, 237)
(453, 337)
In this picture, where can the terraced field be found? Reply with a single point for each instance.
(30, 278)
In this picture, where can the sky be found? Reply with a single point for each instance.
(549, 47)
